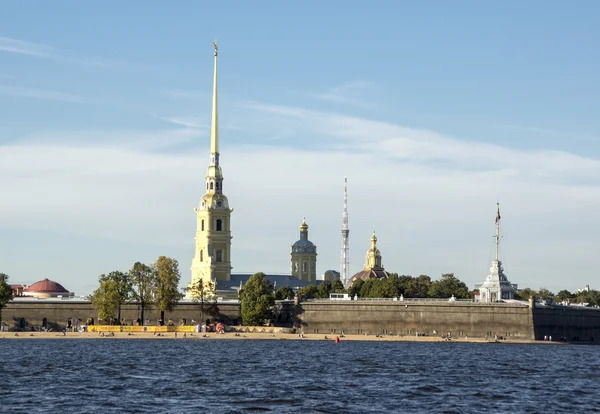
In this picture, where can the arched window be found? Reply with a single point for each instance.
(207, 186)
(211, 185)
(295, 266)
(202, 225)
(201, 255)
(219, 225)
(304, 266)
(217, 185)
(219, 256)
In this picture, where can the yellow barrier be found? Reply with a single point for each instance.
(150, 329)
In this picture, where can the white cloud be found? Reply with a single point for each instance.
(431, 197)
(40, 94)
(25, 48)
(347, 94)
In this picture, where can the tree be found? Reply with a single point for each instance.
(166, 284)
(124, 288)
(5, 293)
(337, 286)
(323, 290)
(142, 280)
(354, 289)
(449, 286)
(307, 292)
(564, 295)
(545, 294)
(418, 287)
(106, 299)
(525, 294)
(284, 293)
(257, 300)
(203, 295)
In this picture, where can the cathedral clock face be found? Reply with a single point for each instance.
(219, 203)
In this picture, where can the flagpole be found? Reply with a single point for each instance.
(497, 228)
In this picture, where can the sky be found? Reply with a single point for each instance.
(434, 111)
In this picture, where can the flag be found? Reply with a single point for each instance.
(497, 216)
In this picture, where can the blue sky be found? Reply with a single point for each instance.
(433, 109)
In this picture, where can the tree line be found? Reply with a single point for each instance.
(591, 297)
(155, 285)
(393, 286)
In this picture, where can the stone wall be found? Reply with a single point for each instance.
(568, 323)
(27, 314)
(410, 318)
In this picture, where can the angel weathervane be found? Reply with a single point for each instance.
(216, 47)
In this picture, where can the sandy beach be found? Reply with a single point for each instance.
(257, 336)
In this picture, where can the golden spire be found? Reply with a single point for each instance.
(214, 132)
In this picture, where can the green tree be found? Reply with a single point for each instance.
(545, 294)
(284, 293)
(525, 294)
(257, 300)
(142, 280)
(337, 286)
(106, 299)
(323, 290)
(449, 286)
(308, 292)
(166, 284)
(354, 289)
(203, 295)
(564, 295)
(124, 288)
(5, 293)
(418, 287)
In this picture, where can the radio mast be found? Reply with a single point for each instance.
(345, 265)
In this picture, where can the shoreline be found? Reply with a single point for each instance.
(257, 336)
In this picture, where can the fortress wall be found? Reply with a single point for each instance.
(570, 323)
(58, 312)
(408, 318)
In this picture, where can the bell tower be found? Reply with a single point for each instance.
(212, 256)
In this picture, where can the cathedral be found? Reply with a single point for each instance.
(304, 257)
(212, 256)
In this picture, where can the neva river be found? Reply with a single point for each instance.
(197, 376)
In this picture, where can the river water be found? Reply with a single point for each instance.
(206, 375)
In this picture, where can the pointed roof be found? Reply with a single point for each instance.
(214, 130)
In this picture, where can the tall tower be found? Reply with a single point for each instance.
(345, 265)
(304, 256)
(496, 286)
(212, 256)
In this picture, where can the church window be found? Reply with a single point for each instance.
(219, 255)
(304, 266)
(211, 185)
(295, 266)
(207, 186)
(202, 225)
(201, 255)
(219, 225)
(217, 186)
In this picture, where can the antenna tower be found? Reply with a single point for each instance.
(345, 265)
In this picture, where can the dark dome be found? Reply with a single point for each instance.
(303, 243)
(46, 286)
(368, 274)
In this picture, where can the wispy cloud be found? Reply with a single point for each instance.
(25, 48)
(186, 94)
(347, 94)
(41, 94)
(434, 195)
(10, 45)
(186, 122)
